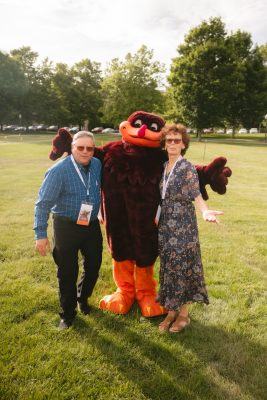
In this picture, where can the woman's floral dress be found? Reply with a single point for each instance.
(181, 271)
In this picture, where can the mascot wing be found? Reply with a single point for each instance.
(215, 174)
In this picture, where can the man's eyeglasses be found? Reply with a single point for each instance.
(175, 141)
(87, 148)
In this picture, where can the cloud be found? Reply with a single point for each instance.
(70, 30)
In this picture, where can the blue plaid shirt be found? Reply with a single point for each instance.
(63, 192)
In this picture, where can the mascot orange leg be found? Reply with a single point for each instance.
(122, 300)
(145, 286)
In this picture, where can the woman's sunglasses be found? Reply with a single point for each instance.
(175, 141)
(87, 148)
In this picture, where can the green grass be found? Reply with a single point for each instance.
(250, 137)
(222, 355)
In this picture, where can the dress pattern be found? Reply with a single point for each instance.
(181, 271)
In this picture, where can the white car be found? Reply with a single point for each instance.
(52, 128)
(74, 129)
(20, 129)
(108, 130)
(98, 129)
(229, 131)
(253, 130)
(242, 130)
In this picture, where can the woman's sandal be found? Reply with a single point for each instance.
(165, 324)
(179, 324)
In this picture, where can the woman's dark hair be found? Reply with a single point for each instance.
(175, 128)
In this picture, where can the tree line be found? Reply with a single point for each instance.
(218, 79)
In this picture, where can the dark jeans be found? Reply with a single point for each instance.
(68, 239)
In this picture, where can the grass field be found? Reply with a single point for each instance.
(221, 356)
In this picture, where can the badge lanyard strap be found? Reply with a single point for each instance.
(166, 182)
(80, 175)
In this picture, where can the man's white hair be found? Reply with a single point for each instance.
(81, 134)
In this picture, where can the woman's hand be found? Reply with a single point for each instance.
(210, 216)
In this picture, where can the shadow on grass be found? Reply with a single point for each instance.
(202, 362)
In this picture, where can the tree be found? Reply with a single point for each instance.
(47, 103)
(218, 79)
(263, 52)
(62, 91)
(247, 99)
(130, 85)
(12, 87)
(29, 103)
(85, 99)
(198, 76)
(76, 91)
(172, 111)
(255, 106)
(39, 103)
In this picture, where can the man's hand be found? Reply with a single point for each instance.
(42, 246)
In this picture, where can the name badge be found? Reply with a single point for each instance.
(84, 214)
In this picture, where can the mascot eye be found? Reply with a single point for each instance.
(154, 127)
(138, 123)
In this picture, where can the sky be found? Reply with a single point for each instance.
(68, 31)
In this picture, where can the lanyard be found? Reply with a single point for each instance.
(80, 175)
(166, 182)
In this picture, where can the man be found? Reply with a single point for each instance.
(71, 190)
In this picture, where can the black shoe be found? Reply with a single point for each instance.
(84, 308)
(64, 324)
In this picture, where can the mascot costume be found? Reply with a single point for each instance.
(132, 168)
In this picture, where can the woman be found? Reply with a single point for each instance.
(181, 272)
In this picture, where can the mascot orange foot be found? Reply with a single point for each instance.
(145, 286)
(133, 283)
(122, 300)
